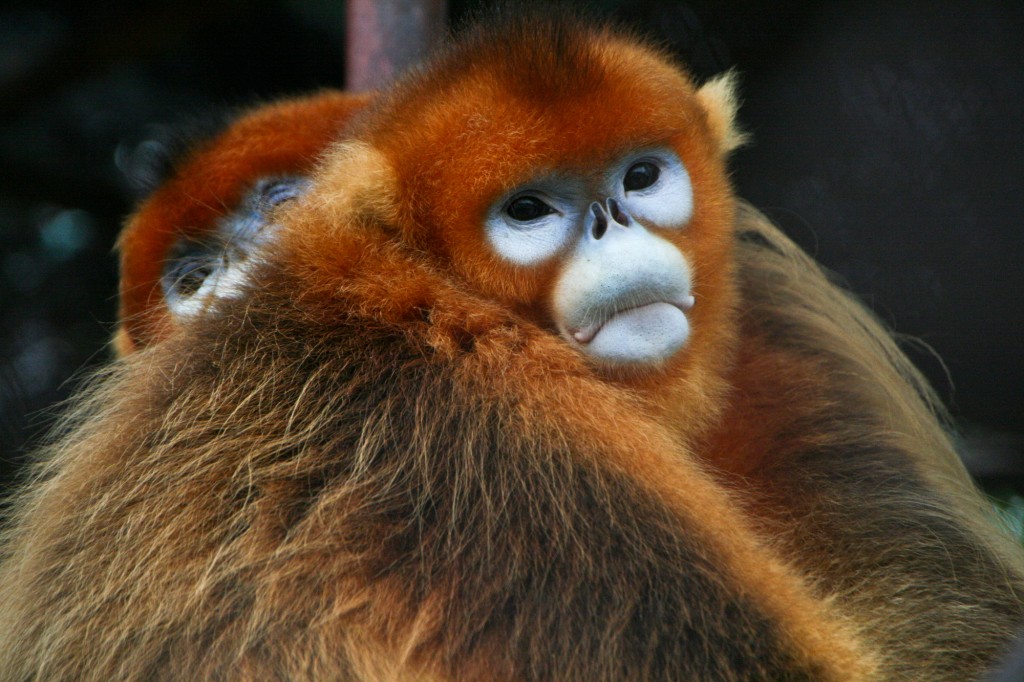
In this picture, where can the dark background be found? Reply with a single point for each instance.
(888, 141)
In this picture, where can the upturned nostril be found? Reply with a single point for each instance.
(616, 212)
(600, 220)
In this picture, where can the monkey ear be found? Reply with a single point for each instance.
(720, 100)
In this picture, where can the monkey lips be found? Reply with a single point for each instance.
(637, 334)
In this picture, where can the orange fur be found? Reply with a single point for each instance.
(381, 462)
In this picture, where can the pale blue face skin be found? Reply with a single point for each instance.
(623, 294)
(217, 265)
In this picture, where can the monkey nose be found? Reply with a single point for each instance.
(617, 213)
(600, 225)
(612, 211)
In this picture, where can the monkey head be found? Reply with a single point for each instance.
(576, 177)
(193, 239)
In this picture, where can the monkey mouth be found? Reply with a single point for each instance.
(634, 317)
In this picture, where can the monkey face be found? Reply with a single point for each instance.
(216, 263)
(622, 292)
(588, 192)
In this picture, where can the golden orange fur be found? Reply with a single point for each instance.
(380, 462)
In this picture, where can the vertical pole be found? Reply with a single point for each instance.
(387, 36)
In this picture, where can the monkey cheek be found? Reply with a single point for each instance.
(646, 335)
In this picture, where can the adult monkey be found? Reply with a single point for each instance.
(508, 389)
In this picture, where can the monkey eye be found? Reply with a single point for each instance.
(532, 223)
(527, 208)
(275, 192)
(640, 176)
(189, 266)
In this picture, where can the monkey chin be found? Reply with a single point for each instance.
(637, 338)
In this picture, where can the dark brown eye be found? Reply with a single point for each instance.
(640, 176)
(525, 209)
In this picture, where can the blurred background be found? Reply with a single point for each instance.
(888, 140)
